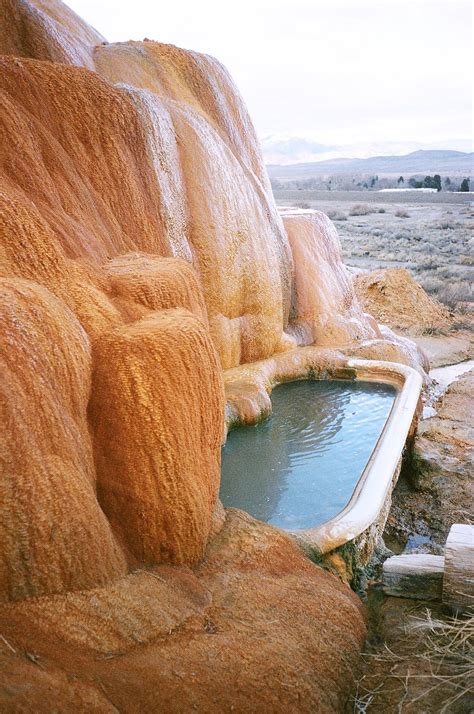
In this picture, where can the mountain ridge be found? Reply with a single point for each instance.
(419, 161)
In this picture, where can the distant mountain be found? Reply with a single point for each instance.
(417, 162)
(285, 149)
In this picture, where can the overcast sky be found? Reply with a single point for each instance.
(339, 71)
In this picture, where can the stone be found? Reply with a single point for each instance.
(255, 627)
(54, 536)
(446, 350)
(325, 310)
(156, 415)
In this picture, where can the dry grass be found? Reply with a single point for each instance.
(434, 665)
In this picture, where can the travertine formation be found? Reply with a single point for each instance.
(54, 536)
(325, 309)
(155, 414)
(46, 30)
(140, 254)
(256, 627)
(79, 193)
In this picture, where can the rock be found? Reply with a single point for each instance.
(437, 488)
(159, 183)
(255, 627)
(54, 536)
(390, 347)
(325, 310)
(446, 350)
(156, 414)
(444, 447)
(46, 31)
(416, 576)
(140, 283)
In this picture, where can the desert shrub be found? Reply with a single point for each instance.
(433, 330)
(381, 210)
(361, 209)
(401, 213)
(462, 324)
(443, 225)
(337, 216)
(432, 285)
(452, 295)
(302, 204)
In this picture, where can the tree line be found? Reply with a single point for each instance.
(348, 182)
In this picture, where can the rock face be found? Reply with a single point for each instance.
(155, 414)
(48, 469)
(395, 299)
(439, 489)
(257, 627)
(74, 204)
(324, 307)
(444, 452)
(46, 30)
(140, 253)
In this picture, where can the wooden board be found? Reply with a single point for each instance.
(458, 583)
(416, 575)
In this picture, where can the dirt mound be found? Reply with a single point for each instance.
(395, 299)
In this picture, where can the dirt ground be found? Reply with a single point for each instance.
(418, 657)
(429, 234)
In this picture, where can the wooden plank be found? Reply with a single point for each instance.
(416, 575)
(458, 584)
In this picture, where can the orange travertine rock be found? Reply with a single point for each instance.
(255, 627)
(235, 239)
(54, 536)
(156, 414)
(240, 247)
(154, 283)
(46, 30)
(196, 80)
(324, 310)
(75, 147)
(101, 198)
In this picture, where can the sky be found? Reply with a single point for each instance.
(335, 71)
